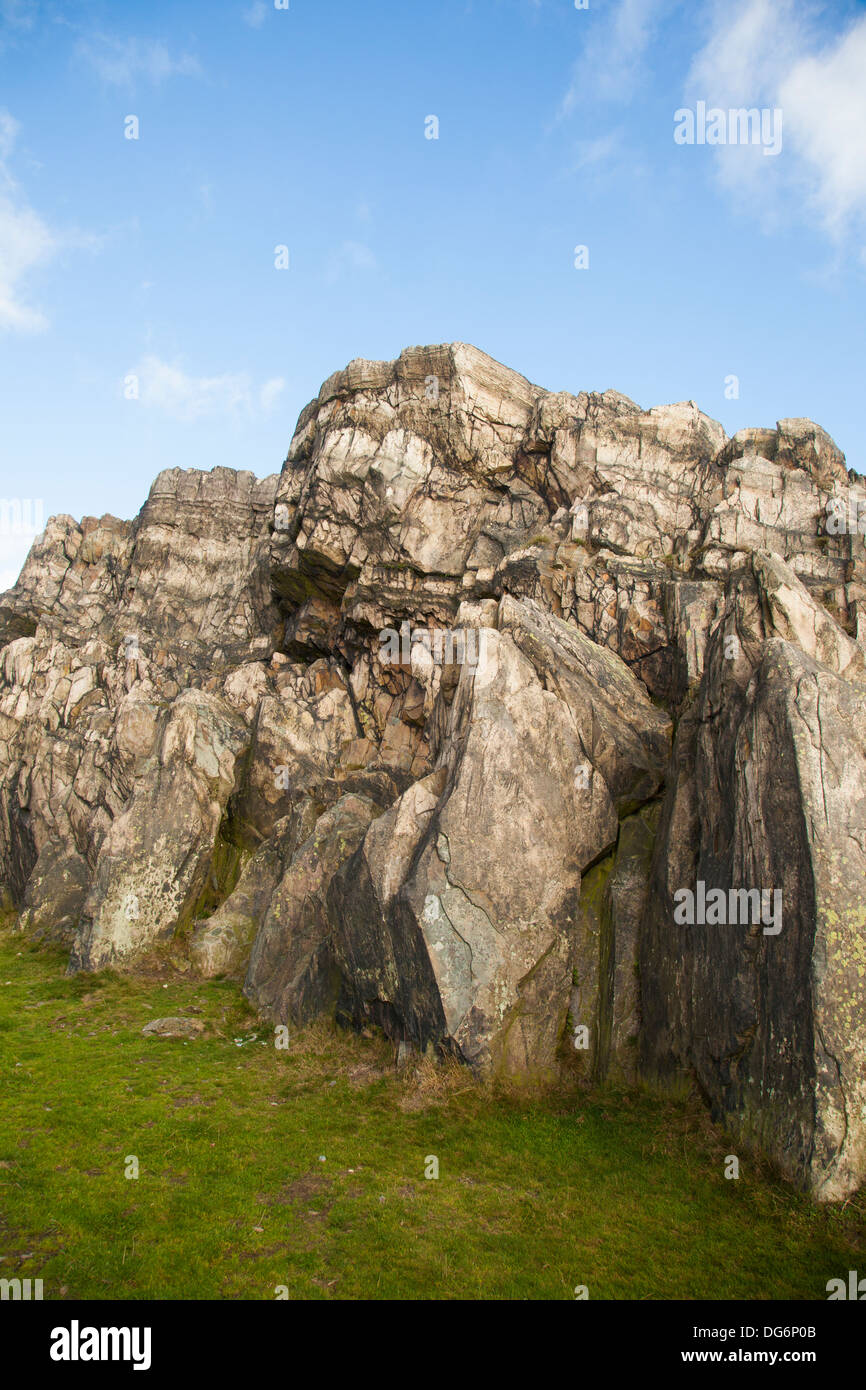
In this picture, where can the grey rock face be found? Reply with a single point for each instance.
(291, 973)
(605, 1001)
(227, 726)
(767, 792)
(155, 857)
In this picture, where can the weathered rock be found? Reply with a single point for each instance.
(55, 894)
(769, 795)
(605, 1001)
(173, 1028)
(385, 971)
(299, 733)
(453, 924)
(227, 724)
(221, 945)
(154, 861)
(291, 975)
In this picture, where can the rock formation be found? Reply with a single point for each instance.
(526, 726)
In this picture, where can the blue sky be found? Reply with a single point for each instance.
(305, 127)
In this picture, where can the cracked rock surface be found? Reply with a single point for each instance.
(232, 730)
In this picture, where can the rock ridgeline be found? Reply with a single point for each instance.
(555, 847)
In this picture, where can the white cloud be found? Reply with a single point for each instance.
(120, 61)
(613, 48)
(824, 101)
(602, 150)
(169, 388)
(25, 242)
(751, 43)
(775, 53)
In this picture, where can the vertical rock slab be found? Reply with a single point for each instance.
(56, 893)
(387, 977)
(626, 895)
(155, 858)
(291, 974)
(605, 999)
(766, 998)
(298, 736)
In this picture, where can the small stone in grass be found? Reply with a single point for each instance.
(172, 1028)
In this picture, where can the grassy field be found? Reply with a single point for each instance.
(305, 1168)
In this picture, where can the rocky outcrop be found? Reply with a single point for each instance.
(466, 724)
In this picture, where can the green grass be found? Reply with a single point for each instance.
(538, 1192)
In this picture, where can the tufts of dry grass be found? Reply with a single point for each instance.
(431, 1082)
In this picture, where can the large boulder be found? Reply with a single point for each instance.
(454, 922)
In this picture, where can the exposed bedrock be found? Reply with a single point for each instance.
(527, 726)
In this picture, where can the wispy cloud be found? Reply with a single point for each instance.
(613, 49)
(121, 62)
(166, 386)
(749, 45)
(824, 101)
(25, 242)
(270, 392)
(777, 53)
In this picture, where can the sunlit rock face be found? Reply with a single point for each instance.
(527, 726)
